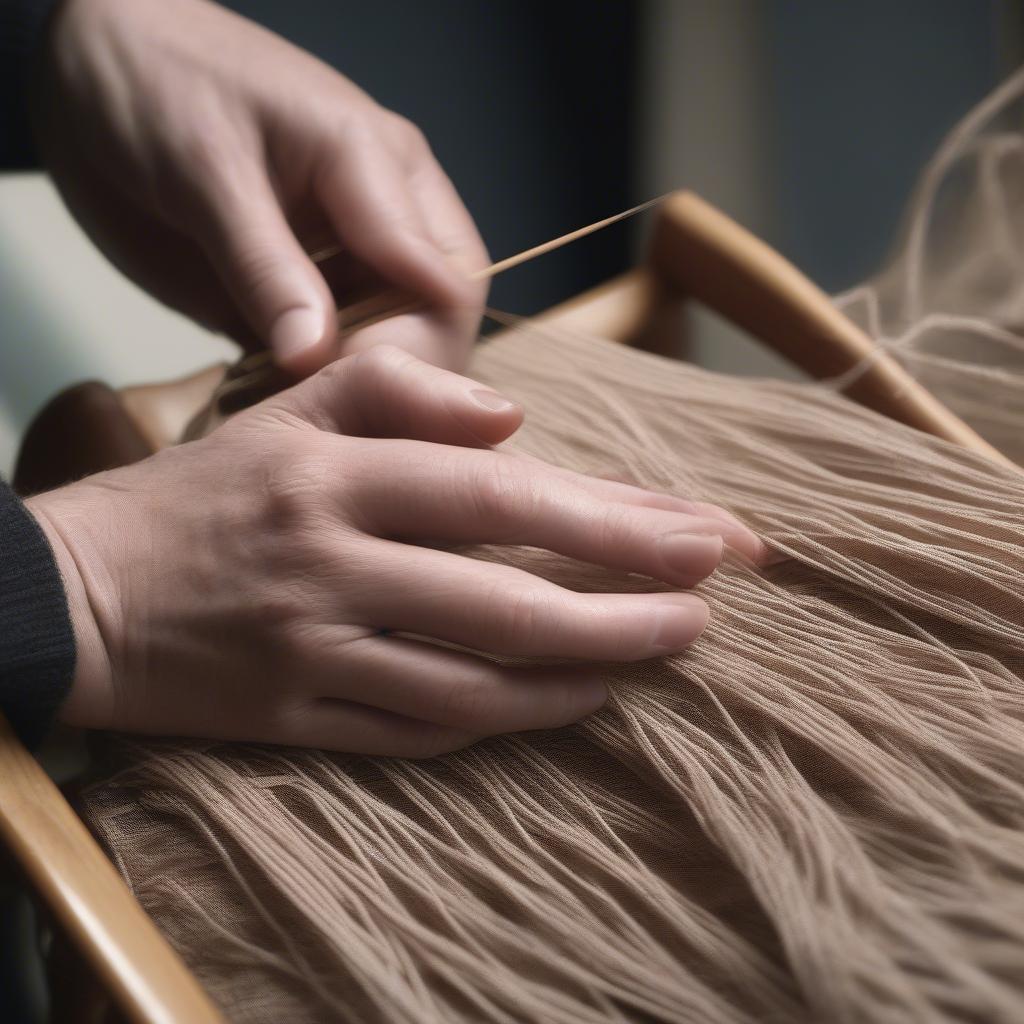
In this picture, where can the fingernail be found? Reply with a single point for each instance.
(492, 401)
(295, 331)
(679, 624)
(691, 556)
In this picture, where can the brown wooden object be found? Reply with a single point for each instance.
(704, 254)
(83, 890)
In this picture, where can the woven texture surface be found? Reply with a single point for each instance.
(815, 814)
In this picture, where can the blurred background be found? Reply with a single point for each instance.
(806, 121)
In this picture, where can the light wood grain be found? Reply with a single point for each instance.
(710, 258)
(69, 871)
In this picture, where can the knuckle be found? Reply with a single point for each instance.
(368, 383)
(259, 265)
(331, 382)
(278, 417)
(409, 136)
(614, 528)
(294, 482)
(515, 619)
(338, 371)
(380, 363)
(294, 638)
(505, 500)
(283, 607)
(204, 170)
(302, 639)
(203, 151)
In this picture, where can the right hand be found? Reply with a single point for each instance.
(206, 156)
(251, 585)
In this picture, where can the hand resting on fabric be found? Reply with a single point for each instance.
(250, 585)
(207, 156)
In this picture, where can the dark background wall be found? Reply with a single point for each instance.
(861, 93)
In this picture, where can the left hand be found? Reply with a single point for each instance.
(207, 156)
(296, 576)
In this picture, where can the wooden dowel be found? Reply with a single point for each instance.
(556, 243)
(67, 868)
(392, 302)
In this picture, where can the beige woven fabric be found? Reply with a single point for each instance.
(815, 814)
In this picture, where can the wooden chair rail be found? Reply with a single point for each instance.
(83, 890)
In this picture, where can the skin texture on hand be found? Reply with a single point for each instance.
(207, 157)
(283, 579)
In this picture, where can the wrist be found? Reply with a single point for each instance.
(89, 701)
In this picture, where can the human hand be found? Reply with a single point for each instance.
(237, 587)
(206, 156)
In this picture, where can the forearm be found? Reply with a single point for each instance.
(21, 23)
(37, 647)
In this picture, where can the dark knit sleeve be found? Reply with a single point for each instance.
(21, 26)
(37, 644)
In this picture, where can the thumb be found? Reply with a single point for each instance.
(276, 286)
(386, 392)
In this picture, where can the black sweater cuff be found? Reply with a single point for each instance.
(37, 643)
(21, 28)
